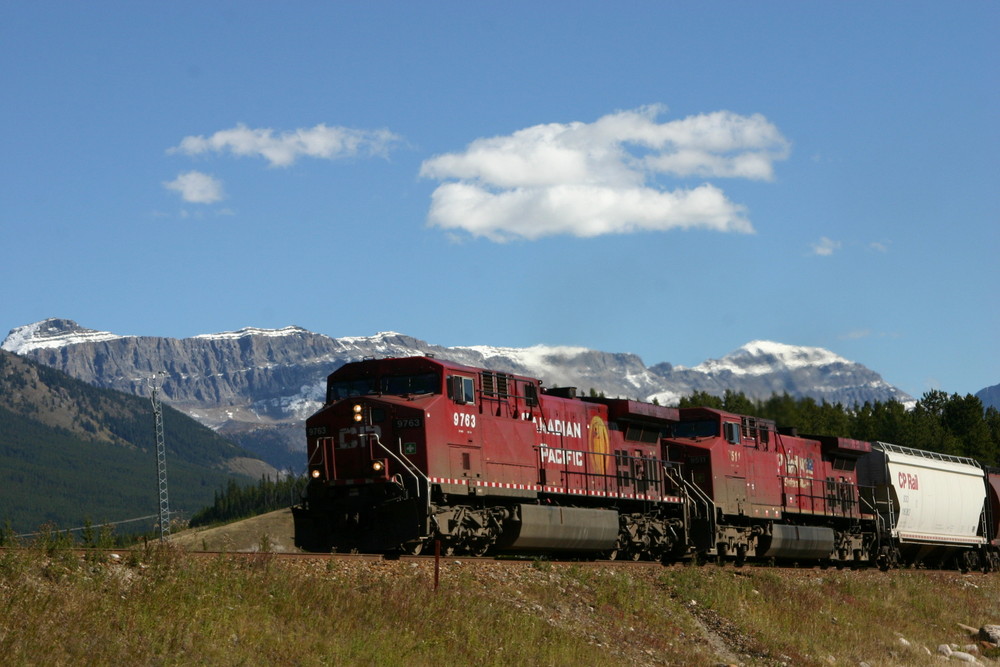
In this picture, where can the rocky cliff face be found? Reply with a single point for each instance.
(258, 385)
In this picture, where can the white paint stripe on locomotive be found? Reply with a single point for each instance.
(534, 487)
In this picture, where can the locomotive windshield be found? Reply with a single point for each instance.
(341, 389)
(423, 383)
(420, 383)
(706, 428)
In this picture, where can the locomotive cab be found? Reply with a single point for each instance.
(366, 448)
(366, 409)
(721, 451)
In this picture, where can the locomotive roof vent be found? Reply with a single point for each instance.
(563, 392)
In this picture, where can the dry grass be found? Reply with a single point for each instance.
(820, 617)
(164, 606)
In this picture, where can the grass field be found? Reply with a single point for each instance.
(162, 605)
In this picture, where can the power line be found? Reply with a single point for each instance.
(99, 525)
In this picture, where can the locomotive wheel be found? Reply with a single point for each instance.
(479, 548)
(722, 550)
(887, 559)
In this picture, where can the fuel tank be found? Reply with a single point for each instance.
(561, 529)
(806, 542)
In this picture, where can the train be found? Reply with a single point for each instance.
(416, 453)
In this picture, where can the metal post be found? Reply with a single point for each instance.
(437, 563)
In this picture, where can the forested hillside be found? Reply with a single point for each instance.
(70, 452)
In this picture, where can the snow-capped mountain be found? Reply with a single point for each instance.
(266, 381)
(52, 333)
(760, 369)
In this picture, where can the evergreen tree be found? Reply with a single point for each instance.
(243, 501)
(928, 431)
(738, 403)
(992, 419)
(963, 418)
(701, 399)
(783, 410)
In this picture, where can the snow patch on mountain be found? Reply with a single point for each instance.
(544, 359)
(52, 333)
(300, 405)
(253, 331)
(761, 357)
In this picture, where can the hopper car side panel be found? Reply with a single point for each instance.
(938, 501)
(927, 497)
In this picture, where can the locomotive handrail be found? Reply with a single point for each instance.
(880, 517)
(832, 503)
(603, 480)
(329, 465)
(405, 463)
(644, 482)
(704, 499)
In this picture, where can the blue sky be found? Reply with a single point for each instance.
(667, 179)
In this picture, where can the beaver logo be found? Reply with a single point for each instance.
(600, 445)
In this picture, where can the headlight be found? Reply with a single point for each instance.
(358, 416)
(378, 466)
(315, 473)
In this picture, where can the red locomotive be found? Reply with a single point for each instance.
(757, 492)
(410, 451)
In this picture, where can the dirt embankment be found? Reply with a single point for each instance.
(274, 532)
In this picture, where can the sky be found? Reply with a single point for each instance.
(669, 179)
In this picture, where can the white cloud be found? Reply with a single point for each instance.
(825, 246)
(196, 187)
(599, 178)
(283, 149)
(581, 210)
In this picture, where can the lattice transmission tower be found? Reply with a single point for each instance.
(161, 458)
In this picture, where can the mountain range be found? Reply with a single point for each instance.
(256, 386)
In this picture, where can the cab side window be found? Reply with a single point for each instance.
(462, 390)
(530, 395)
